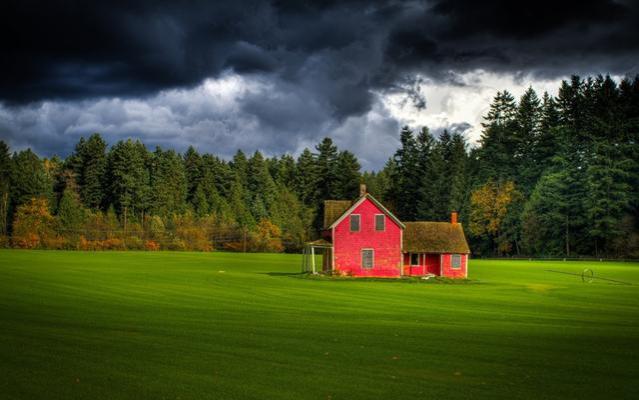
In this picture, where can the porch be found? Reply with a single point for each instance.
(418, 264)
(312, 251)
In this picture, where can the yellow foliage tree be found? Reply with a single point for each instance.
(489, 208)
(33, 225)
(267, 237)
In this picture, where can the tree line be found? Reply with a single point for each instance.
(550, 176)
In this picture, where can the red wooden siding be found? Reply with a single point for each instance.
(428, 264)
(449, 271)
(347, 245)
(431, 261)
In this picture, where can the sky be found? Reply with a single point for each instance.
(278, 76)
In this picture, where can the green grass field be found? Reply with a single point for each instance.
(247, 326)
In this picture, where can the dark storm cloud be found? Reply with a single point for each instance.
(76, 49)
(319, 64)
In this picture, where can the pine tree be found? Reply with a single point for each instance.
(239, 165)
(348, 179)
(238, 206)
(546, 143)
(430, 176)
(71, 213)
(89, 162)
(498, 142)
(192, 171)
(5, 185)
(168, 183)
(200, 202)
(306, 178)
(327, 171)
(326, 174)
(457, 171)
(527, 134)
(406, 181)
(29, 178)
(261, 189)
(608, 194)
(128, 179)
(546, 218)
(285, 171)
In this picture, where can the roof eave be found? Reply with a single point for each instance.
(360, 201)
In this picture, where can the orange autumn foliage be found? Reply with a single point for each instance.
(151, 245)
(33, 226)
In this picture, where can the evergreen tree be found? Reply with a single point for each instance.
(407, 177)
(239, 165)
(306, 178)
(458, 176)
(608, 194)
(261, 188)
(429, 175)
(192, 171)
(237, 202)
(327, 171)
(498, 142)
(200, 202)
(215, 180)
(546, 143)
(168, 183)
(348, 179)
(89, 162)
(128, 179)
(285, 171)
(71, 213)
(29, 178)
(527, 134)
(547, 217)
(5, 184)
(296, 226)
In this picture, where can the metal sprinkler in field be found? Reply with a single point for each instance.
(588, 276)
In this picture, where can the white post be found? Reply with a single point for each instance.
(313, 258)
(304, 267)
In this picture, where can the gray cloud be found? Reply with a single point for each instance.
(310, 69)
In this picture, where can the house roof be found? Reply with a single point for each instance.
(333, 209)
(320, 243)
(351, 207)
(434, 237)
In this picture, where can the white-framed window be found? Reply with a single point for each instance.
(380, 222)
(414, 259)
(355, 222)
(368, 258)
(456, 261)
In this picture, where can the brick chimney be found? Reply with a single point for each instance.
(453, 217)
(362, 189)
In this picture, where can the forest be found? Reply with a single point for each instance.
(551, 176)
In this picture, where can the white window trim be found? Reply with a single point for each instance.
(372, 258)
(384, 222)
(350, 225)
(452, 263)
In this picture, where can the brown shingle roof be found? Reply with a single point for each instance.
(434, 237)
(333, 209)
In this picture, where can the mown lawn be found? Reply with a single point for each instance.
(234, 326)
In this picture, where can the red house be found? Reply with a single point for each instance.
(363, 238)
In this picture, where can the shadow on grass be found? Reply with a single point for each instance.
(405, 279)
(293, 274)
